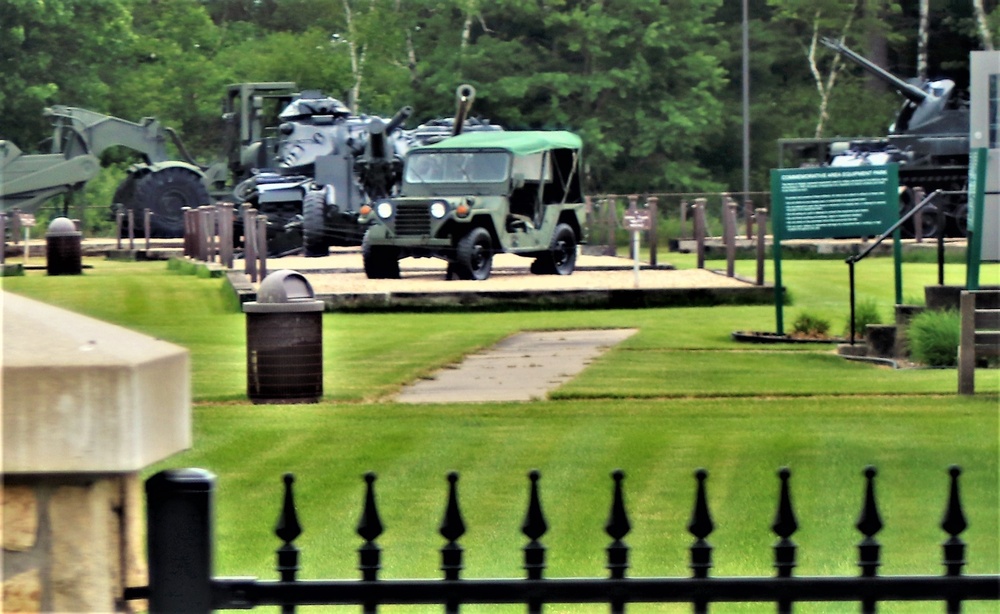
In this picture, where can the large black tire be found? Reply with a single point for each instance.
(314, 238)
(561, 257)
(381, 261)
(165, 193)
(474, 255)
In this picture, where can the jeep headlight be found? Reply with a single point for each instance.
(438, 209)
(384, 209)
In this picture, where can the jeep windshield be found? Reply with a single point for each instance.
(457, 167)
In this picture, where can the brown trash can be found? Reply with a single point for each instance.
(285, 341)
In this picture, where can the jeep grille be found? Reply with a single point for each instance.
(413, 219)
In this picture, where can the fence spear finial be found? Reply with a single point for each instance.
(869, 523)
(954, 524)
(701, 526)
(452, 528)
(533, 527)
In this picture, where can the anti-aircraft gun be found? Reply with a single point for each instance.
(329, 163)
(929, 140)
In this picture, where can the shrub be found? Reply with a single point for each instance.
(865, 313)
(809, 325)
(934, 336)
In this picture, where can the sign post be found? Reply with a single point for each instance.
(27, 222)
(977, 202)
(636, 220)
(833, 203)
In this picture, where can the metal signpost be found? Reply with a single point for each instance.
(636, 220)
(833, 203)
(27, 222)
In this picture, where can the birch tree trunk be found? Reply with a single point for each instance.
(922, 36)
(983, 25)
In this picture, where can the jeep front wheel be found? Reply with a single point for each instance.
(381, 261)
(474, 255)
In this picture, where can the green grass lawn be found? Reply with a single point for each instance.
(678, 395)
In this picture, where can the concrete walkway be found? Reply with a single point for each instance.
(522, 367)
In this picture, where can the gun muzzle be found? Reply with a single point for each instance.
(397, 120)
(464, 96)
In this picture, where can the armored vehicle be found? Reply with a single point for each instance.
(929, 140)
(330, 162)
(479, 193)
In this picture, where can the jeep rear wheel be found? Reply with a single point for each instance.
(474, 255)
(561, 257)
(381, 261)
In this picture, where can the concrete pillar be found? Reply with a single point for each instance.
(86, 407)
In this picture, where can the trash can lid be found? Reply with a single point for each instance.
(282, 291)
(62, 227)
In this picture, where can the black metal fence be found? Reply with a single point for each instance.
(180, 517)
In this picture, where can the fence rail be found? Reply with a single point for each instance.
(180, 517)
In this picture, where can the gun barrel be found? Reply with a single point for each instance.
(910, 92)
(397, 120)
(464, 96)
(377, 138)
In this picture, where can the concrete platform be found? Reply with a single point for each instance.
(599, 282)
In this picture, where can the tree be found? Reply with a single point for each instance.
(58, 52)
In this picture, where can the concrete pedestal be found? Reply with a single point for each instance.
(86, 406)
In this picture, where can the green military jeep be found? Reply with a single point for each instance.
(472, 195)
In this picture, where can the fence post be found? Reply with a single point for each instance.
(226, 234)
(729, 228)
(967, 343)
(131, 229)
(179, 510)
(684, 217)
(250, 243)
(611, 211)
(119, 219)
(748, 214)
(146, 225)
(186, 212)
(652, 204)
(699, 229)
(15, 225)
(761, 217)
(262, 245)
(918, 217)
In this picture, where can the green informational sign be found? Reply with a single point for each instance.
(977, 202)
(832, 203)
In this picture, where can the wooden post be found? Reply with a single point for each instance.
(131, 230)
(147, 225)
(15, 225)
(652, 203)
(748, 214)
(699, 229)
(684, 215)
(612, 218)
(761, 217)
(119, 220)
(226, 234)
(729, 228)
(262, 245)
(212, 215)
(633, 203)
(967, 344)
(250, 242)
(3, 235)
(186, 212)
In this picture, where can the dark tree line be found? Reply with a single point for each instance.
(653, 86)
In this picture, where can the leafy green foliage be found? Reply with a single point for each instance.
(866, 312)
(933, 336)
(810, 325)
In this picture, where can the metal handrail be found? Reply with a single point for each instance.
(912, 212)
